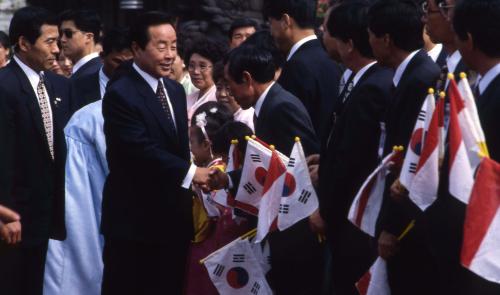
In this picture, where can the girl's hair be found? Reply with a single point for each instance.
(229, 131)
(209, 118)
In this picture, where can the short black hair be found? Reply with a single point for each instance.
(257, 61)
(4, 40)
(228, 132)
(302, 11)
(139, 31)
(217, 115)
(115, 39)
(218, 72)
(85, 20)
(349, 21)
(208, 48)
(28, 22)
(401, 20)
(481, 19)
(242, 23)
(264, 39)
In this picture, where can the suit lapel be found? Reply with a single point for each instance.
(489, 93)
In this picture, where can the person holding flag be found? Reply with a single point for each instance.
(279, 116)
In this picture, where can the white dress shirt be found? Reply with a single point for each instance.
(83, 61)
(435, 51)
(153, 83)
(245, 117)
(297, 45)
(103, 82)
(402, 67)
(361, 72)
(485, 80)
(260, 100)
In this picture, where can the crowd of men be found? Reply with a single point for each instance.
(100, 158)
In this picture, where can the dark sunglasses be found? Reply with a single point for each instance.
(68, 33)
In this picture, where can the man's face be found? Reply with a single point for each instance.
(157, 57)
(42, 55)
(177, 72)
(278, 32)
(436, 23)
(73, 41)
(328, 40)
(379, 47)
(240, 35)
(240, 91)
(114, 59)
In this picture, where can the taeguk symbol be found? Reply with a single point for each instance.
(416, 141)
(290, 185)
(237, 277)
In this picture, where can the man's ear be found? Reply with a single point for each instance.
(350, 45)
(286, 21)
(247, 78)
(387, 40)
(23, 44)
(469, 42)
(135, 48)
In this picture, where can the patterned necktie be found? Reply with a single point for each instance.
(43, 101)
(162, 98)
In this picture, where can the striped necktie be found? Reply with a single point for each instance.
(43, 101)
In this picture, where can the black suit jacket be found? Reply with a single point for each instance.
(88, 68)
(86, 89)
(420, 74)
(352, 153)
(314, 78)
(143, 199)
(31, 182)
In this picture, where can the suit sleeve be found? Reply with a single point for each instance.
(127, 136)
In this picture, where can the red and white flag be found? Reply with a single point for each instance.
(417, 140)
(424, 186)
(298, 200)
(481, 241)
(460, 137)
(365, 208)
(375, 281)
(271, 197)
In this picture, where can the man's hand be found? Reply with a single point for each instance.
(317, 223)
(11, 232)
(398, 191)
(7, 215)
(218, 179)
(201, 177)
(312, 159)
(388, 245)
(313, 164)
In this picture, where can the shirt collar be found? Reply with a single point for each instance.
(361, 72)
(83, 61)
(485, 81)
(260, 100)
(152, 81)
(33, 76)
(103, 82)
(402, 67)
(435, 51)
(453, 60)
(297, 45)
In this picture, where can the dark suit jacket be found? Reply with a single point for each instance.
(86, 89)
(88, 68)
(314, 78)
(143, 199)
(420, 74)
(31, 182)
(352, 153)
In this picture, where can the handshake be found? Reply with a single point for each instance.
(210, 179)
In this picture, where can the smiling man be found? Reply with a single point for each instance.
(146, 212)
(34, 108)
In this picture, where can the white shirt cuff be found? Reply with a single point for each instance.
(230, 184)
(186, 183)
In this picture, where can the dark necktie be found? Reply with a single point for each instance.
(475, 90)
(349, 85)
(43, 102)
(441, 82)
(254, 120)
(162, 98)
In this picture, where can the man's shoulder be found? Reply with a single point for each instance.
(378, 77)
(56, 79)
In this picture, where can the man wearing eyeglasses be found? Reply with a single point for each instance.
(80, 30)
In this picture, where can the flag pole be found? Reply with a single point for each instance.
(408, 228)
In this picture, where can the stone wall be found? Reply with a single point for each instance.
(7, 8)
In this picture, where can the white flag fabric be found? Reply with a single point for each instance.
(366, 206)
(424, 187)
(253, 176)
(417, 140)
(481, 241)
(234, 270)
(299, 199)
(460, 133)
(375, 281)
(222, 197)
(271, 197)
(262, 253)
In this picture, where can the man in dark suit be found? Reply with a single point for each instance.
(80, 31)
(395, 31)
(90, 88)
(146, 213)
(352, 149)
(34, 106)
(480, 50)
(279, 116)
(308, 72)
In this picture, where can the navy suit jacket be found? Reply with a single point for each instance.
(86, 89)
(88, 68)
(31, 183)
(148, 159)
(314, 78)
